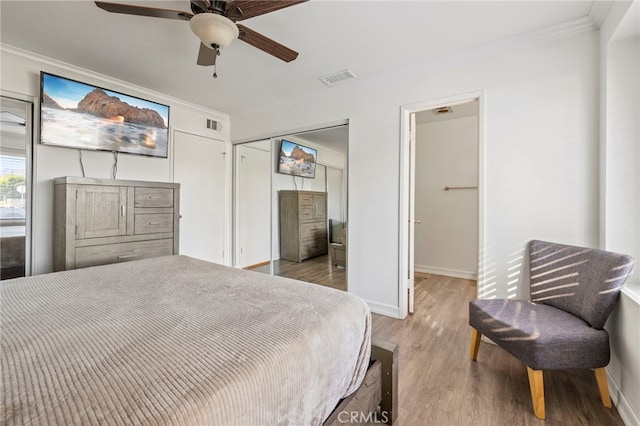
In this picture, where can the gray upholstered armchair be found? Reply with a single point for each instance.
(573, 291)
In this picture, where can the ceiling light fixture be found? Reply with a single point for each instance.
(214, 31)
(443, 110)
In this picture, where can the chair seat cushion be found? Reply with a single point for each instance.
(541, 336)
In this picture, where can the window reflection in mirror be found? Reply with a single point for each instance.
(15, 145)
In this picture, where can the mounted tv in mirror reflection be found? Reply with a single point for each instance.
(82, 116)
(297, 160)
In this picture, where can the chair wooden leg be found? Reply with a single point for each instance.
(475, 344)
(603, 386)
(536, 384)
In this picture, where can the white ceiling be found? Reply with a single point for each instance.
(369, 37)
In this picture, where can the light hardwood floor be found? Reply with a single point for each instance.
(440, 385)
(317, 270)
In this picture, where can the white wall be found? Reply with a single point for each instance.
(446, 239)
(620, 193)
(20, 75)
(541, 152)
(622, 202)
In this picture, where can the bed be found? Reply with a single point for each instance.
(176, 340)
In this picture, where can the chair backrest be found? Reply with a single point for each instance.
(582, 281)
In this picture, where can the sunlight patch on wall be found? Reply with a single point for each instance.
(514, 272)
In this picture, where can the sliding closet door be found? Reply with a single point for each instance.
(15, 187)
(199, 168)
(253, 189)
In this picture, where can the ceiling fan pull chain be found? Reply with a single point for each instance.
(217, 53)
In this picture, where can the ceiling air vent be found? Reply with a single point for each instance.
(338, 77)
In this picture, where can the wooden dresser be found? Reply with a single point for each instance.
(303, 224)
(100, 221)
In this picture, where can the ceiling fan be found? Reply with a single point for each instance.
(214, 22)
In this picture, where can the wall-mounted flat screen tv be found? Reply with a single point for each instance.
(297, 160)
(82, 116)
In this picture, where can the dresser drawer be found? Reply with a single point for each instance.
(313, 248)
(153, 197)
(122, 252)
(153, 223)
(306, 214)
(305, 200)
(312, 230)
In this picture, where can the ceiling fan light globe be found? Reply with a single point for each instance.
(213, 29)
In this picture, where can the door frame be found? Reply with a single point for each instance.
(407, 185)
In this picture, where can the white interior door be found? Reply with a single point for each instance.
(199, 168)
(412, 204)
(253, 196)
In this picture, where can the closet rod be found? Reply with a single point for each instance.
(447, 188)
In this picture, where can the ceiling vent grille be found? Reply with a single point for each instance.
(338, 77)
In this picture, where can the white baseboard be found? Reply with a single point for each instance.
(467, 275)
(622, 405)
(383, 309)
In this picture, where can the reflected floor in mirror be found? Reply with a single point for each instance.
(317, 270)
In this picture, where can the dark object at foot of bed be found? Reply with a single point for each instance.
(376, 400)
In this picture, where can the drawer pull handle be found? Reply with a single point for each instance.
(127, 256)
(155, 223)
(154, 197)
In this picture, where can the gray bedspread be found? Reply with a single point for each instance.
(177, 341)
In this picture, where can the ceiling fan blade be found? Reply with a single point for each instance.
(206, 56)
(129, 9)
(266, 44)
(238, 10)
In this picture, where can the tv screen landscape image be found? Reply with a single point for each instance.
(297, 160)
(83, 116)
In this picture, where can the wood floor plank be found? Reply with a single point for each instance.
(440, 385)
(317, 270)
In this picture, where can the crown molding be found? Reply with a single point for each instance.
(574, 26)
(41, 62)
(599, 10)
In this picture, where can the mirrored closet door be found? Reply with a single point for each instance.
(293, 224)
(15, 187)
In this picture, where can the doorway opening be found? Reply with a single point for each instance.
(441, 196)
